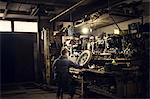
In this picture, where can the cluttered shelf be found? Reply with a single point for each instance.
(101, 91)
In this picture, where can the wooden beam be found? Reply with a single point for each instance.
(68, 10)
(46, 33)
(39, 2)
(33, 10)
(20, 16)
(5, 11)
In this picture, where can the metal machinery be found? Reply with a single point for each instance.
(109, 80)
(110, 64)
(108, 70)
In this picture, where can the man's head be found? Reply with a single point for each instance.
(64, 51)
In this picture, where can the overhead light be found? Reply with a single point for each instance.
(85, 30)
(116, 31)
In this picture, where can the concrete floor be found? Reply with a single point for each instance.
(21, 92)
(36, 91)
(36, 94)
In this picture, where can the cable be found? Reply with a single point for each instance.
(113, 18)
(116, 24)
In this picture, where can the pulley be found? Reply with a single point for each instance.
(84, 58)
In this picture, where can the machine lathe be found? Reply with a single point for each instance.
(104, 77)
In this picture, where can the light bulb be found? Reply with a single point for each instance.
(85, 30)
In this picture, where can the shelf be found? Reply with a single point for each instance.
(101, 91)
(118, 59)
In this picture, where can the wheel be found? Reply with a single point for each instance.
(84, 58)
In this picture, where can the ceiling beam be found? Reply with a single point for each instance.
(125, 1)
(34, 11)
(38, 2)
(125, 15)
(5, 11)
(18, 16)
(67, 10)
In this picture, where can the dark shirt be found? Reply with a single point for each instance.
(61, 68)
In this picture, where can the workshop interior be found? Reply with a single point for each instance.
(108, 39)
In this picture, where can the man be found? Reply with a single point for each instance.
(61, 72)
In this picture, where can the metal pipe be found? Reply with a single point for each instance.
(67, 10)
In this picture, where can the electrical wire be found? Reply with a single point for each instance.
(113, 18)
(116, 24)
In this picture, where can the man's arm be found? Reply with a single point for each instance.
(72, 64)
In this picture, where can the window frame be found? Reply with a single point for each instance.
(8, 31)
(25, 31)
(12, 26)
